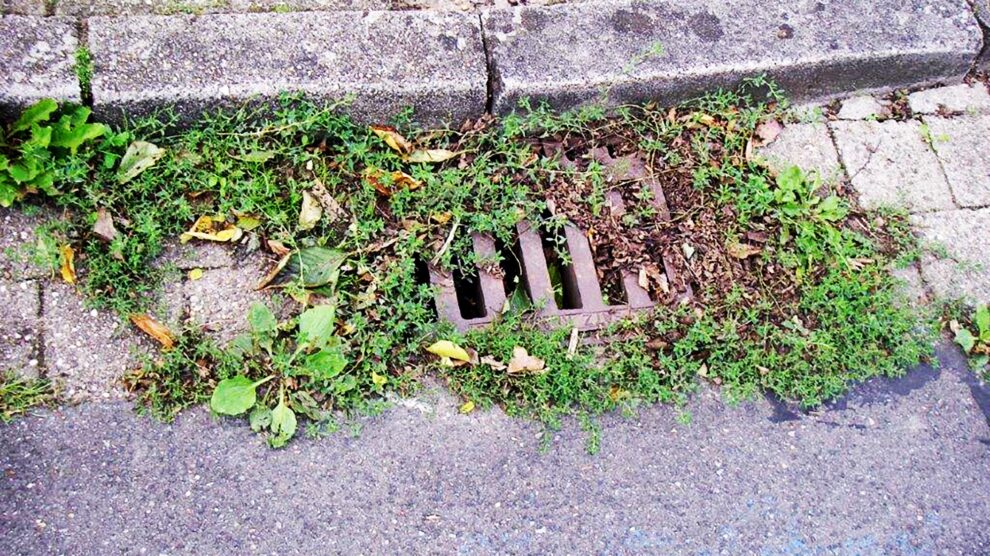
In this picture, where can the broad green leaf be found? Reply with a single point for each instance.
(140, 156)
(241, 345)
(316, 326)
(71, 131)
(261, 319)
(312, 267)
(41, 137)
(8, 193)
(234, 396)
(326, 363)
(831, 209)
(965, 339)
(982, 321)
(36, 113)
(344, 384)
(260, 418)
(283, 424)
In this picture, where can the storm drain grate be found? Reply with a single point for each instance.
(479, 301)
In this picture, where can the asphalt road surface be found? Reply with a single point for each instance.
(898, 467)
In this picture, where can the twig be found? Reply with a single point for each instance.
(446, 244)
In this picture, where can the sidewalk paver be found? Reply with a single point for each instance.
(861, 107)
(890, 164)
(17, 240)
(962, 98)
(807, 146)
(220, 300)
(20, 331)
(963, 234)
(962, 144)
(72, 331)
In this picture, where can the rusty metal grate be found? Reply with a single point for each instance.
(480, 302)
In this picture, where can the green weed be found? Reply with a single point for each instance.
(18, 395)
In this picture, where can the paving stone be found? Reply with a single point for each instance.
(807, 146)
(911, 284)
(965, 273)
(572, 53)
(890, 164)
(861, 107)
(17, 241)
(37, 62)
(196, 255)
(957, 98)
(433, 62)
(87, 350)
(20, 306)
(219, 301)
(962, 144)
(22, 7)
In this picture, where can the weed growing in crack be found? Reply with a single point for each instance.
(19, 394)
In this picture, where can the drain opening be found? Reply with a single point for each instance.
(470, 300)
(562, 277)
(421, 275)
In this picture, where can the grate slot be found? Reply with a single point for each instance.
(566, 280)
(581, 273)
(470, 300)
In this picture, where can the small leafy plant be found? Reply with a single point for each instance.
(19, 394)
(313, 357)
(976, 341)
(34, 149)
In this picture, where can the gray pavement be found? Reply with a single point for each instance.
(898, 467)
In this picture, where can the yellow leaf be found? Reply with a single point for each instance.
(230, 234)
(155, 329)
(248, 222)
(392, 138)
(196, 274)
(310, 212)
(431, 155)
(402, 179)
(467, 407)
(445, 348)
(68, 264)
(378, 379)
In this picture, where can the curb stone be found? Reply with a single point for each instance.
(115, 8)
(433, 62)
(22, 7)
(576, 54)
(38, 61)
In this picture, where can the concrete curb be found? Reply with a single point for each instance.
(451, 66)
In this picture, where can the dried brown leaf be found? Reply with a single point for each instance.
(103, 228)
(158, 331)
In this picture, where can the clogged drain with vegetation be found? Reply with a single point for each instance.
(754, 281)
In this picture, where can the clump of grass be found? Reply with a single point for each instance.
(84, 72)
(19, 394)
